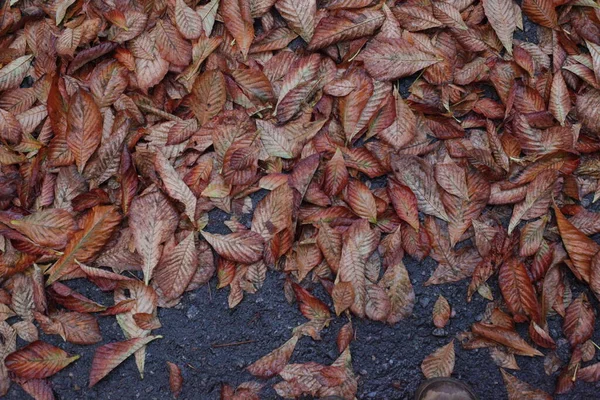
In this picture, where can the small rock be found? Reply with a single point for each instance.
(478, 318)
(424, 301)
(439, 333)
(372, 395)
(363, 372)
(149, 389)
(192, 312)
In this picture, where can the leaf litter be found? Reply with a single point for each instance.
(123, 124)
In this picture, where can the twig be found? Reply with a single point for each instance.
(216, 346)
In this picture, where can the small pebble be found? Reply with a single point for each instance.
(439, 333)
(424, 301)
(192, 312)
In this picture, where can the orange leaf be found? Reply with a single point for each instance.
(38, 360)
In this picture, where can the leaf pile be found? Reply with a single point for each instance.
(123, 124)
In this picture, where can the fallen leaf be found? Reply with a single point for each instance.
(38, 360)
(440, 363)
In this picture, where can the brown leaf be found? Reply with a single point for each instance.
(209, 94)
(541, 12)
(345, 25)
(378, 304)
(402, 130)
(502, 18)
(358, 243)
(109, 356)
(412, 172)
(152, 220)
(336, 174)
(345, 337)
(361, 200)
(532, 236)
(177, 267)
(388, 61)
(506, 337)
(274, 362)
(174, 185)
(51, 228)
(503, 359)
(579, 321)
(98, 225)
(440, 363)
(342, 295)
(580, 248)
(39, 389)
(518, 390)
(560, 102)
(300, 15)
(38, 360)
(404, 203)
(311, 307)
(399, 289)
(13, 73)
(452, 178)
(441, 312)
(84, 127)
(175, 379)
(517, 290)
(537, 199)
(462, 211)
(188, 21)
(243, 246)
(238, 21)
(73, 327)
(540, 336)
